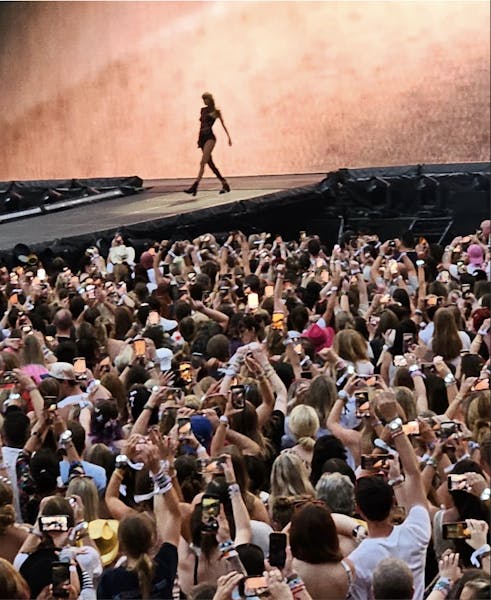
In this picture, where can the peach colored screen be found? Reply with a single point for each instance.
(114, 88)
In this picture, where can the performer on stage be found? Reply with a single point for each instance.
(207, 141)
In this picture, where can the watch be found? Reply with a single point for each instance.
(395, 424)
(121, 461)
(66, 437)
(449, 379)
(485, 495)
(414, 368)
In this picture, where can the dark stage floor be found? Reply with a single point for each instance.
(164, 198)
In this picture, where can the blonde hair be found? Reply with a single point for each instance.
(289, 477)
(304, 424)
(351, 345)
(87, 490)
(478, 416)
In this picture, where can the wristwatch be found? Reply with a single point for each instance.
(121, 461)
(395, 424)
(449, 379)
(66, 437)
(414, 368)
(485, 495)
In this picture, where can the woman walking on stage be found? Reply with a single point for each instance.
(207, 141)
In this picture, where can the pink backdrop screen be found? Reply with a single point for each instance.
(107, 88)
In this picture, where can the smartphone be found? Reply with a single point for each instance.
(324, 275)
(454, 482)
(455, 531)
(278, 321)
(480, 385)
(431, 301)
(165, 269)
(8, 379)
(60, 578)
(277, 549)
(210, 509)
(153, 318)
(211, 466)
(237, 396)
(370, 380)
(57, 523)
(375, 462)
(185, 372)
(362, 405)
(173, 394)
(252, 301)
(411, 428)
(385, 299)
(139, 347)
(298, 349)
(183, 426)
(255, 586)
(14, 298)
(408, 342)
(448, 428)
(393, 267)
(79, 365)
(303, 235)
(428, 368)
(41, 274)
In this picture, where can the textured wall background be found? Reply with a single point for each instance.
(109, 88)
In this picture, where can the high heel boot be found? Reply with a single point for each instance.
(225, 187)
(193, 189)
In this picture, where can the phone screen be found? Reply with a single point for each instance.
(153, 317)
(237, 396)
(60, 577)
(277, 549)
(79, 365)
(58, 523)
(411, 428)
(407, 342)
(139, 347)
(252, 301)
(14, 299)
(210, 509)
(278, 321)
(184, 426)
(456, 481)
(255, 586)
(362, 405)
(185, 372)
(455, 531)
(375, 462)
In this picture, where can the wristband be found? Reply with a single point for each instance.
(478, 554)
(233, 490)
(147, 407)
(485, 495)
(223, 419)
(443, 585)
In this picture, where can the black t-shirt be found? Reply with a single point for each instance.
(119, 583)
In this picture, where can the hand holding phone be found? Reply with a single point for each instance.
(237, 397)
(60, 579)
(277, 549)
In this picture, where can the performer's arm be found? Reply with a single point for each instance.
(226, 130)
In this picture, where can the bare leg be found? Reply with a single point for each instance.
(207, 150)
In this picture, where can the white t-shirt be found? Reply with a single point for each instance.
(10, 456)
(407, 542)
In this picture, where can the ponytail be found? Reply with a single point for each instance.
(307, 443)
(144, 568)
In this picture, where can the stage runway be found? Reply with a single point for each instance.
(161, 199)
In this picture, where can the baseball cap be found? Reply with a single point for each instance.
(475, 254)
(62, 370)
(164, 356)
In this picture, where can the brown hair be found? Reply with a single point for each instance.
(321, 395)
(350, 345)
(446, 341)
(313, 536)
(478, 416)
(136, 536)
(7, 511)
(12, 585)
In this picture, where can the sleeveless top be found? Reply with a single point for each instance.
(206, 120)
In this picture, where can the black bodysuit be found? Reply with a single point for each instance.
(205, 130)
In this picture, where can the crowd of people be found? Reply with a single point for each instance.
(248, 417)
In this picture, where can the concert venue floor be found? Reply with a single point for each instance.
(161, 201)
